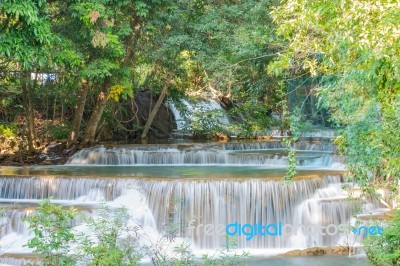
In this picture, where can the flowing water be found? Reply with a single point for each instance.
(185, 111)
(201, 188)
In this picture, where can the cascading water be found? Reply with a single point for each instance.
(200, 202)
(267, 153)
(189, 112)
(21, 195)
(218, 202)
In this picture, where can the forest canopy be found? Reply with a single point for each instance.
(74, 73)
(82, 68)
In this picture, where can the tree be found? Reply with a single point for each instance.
(153, 112)
(53, 235)
(103, 28)
(354, 46)
(110, 34)
(385, 250)
(25, 31)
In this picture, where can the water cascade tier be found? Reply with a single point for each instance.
(201, 189)
(191, 204)
(186, 112)
(272, 153)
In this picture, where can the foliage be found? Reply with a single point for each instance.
(117, 91)
(59, 131)
(297, 127)
(52, 227)
(8, 131)
(385, 249)
(226, 256)
(354, 45)
(183, 256)
(206, 122)
(117, 47)
(252, 117)
(115, 243)
(112, 240)
(233, 42)
(26, 31)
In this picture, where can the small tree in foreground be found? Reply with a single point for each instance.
(53, 234)
(385, 249)
(112, 241)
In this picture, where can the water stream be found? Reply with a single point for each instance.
(198, 187)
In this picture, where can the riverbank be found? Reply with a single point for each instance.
(53, 152)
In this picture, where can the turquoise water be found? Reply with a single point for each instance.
(311, 261)
(229, 191)
(170, 171)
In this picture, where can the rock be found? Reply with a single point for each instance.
(340, 250)
(293, 253)
(221, 136)
(56, 148)
(135, 114)
(182, 147)
(317, 251)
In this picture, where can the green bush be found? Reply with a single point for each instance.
(59, 131)
(116, 243)
(112, 241)
(385, 250)
(252, 117)
(8, 131)
(207, 123)
(52, 227)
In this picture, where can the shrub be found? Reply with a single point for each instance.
(116, 243)
(8, 131)
(112, 241)
(52, 227)
(59, 131)
(385, 249)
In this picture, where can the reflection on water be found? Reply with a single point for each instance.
(173, 171)
(311, 261)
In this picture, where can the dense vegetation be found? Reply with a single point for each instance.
(76, 67)
(109, 239)
(354, 46)
(73, 70)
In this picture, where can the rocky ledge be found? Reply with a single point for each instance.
(316, 251)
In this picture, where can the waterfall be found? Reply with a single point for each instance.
(195, 204)
(202, 189)
(328, 205)
(190, 112)
(21, 195)
(192, 203)
(267, 153)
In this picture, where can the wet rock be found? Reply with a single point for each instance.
(182, 147)
(318, 251)
(56, 147)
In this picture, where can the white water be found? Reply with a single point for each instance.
(268, 153)
(70, 192)
(155, 203)
(191, 203)
(192, 111)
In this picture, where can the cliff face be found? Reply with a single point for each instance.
(132, 117)
(163, 122)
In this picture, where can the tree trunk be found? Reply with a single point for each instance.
(94, 120)
(80, 108)
(28, 110)
(155, 109)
